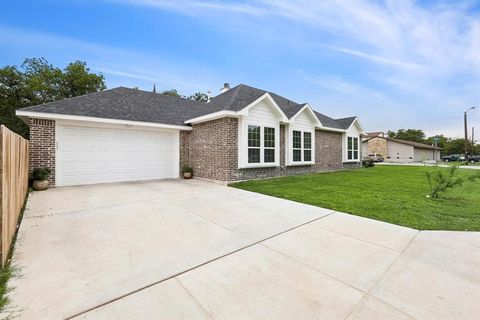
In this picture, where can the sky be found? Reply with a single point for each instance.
(395, 64)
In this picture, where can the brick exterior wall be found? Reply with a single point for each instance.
(42, 145)
(211, 149)
(328, 157)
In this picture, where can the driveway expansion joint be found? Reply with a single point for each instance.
(193, 268)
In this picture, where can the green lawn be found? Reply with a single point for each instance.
(395, 194)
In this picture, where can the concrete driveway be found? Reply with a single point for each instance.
(197, 250)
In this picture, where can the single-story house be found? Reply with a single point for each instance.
(243, 133)
(396, 150)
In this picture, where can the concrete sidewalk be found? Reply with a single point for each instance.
(196, 250)
(419, 164)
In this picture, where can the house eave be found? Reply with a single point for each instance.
(212, 116)
(55, 116)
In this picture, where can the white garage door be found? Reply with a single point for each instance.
(87, 155)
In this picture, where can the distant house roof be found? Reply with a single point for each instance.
(136, 105)
(410, 143)
(375, 134)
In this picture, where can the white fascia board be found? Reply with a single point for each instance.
(362, 131)
(56, 116)
(212, 116)
(330, 129)
(309, 109)
(244, 111)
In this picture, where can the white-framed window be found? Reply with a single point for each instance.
(301, 146)
(352, 148)
(261, 144)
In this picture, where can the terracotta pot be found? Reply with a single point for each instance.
(187, 175)
(40, 185)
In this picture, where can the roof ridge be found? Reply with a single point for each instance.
(234, 96)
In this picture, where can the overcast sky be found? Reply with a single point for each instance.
(396, 64)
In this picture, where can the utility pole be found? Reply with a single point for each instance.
(466, 131)
(473, 140)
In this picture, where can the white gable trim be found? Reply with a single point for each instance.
(56, 116)
(212, 116)
(310, 110)
(331, 129)
(362, 130)
(244, 111)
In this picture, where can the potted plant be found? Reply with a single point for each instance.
(187, 172)
(40, 178)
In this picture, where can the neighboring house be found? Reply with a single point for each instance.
(396, 150)
(243, 133)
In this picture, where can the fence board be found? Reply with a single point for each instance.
(13, 185)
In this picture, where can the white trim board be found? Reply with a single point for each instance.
(56, 116)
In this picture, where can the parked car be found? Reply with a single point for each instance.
(474, 159)
(375, 157)
(453, 157)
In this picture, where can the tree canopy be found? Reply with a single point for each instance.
(416, 135)
(36, 81)
(198, 96)
(449, 145)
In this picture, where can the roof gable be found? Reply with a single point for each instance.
(307, 111)
(136, 105)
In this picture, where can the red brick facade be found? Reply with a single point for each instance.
(42, 145)
(211, 148)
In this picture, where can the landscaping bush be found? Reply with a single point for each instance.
(368, 163)
(441, 180)
(41, 174)
(187, 169)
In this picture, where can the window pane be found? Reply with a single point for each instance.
(307, 155)
(253, 136)
(355, 143)
(253, 155)
(269, 155)
(350, 154)
(297, 139)
(350, 143)
(297, 155)
(307, 140)
(269, 137)
(355, 155)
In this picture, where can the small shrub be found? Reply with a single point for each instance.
(368, 163)
(442, 180)
(187, 169)
(41, 174)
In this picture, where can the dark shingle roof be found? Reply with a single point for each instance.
(123, 104)
(136, 105)
(345, 123)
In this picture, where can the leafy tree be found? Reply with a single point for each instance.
(36, 82)
(77, 80)
(415, 135)
(201, 97)
(172, 93)
(454, 146)
(441, 142)
(391, 134)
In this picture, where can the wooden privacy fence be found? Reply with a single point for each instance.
(13, 185)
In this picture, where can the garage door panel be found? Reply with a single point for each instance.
(97, 155)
